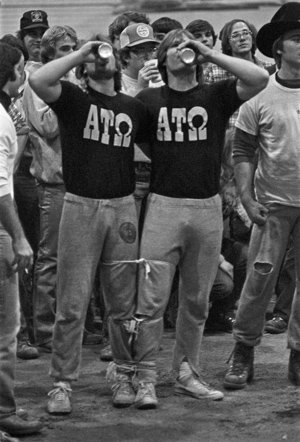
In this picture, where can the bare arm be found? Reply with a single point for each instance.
(251, 78)
(45, 81)
(10, 221)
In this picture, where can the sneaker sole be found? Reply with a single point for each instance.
(146, 405)
(25, 432)
(180, 391)
(123, 404)
(27, 357)
(63, 411)
(274, 331)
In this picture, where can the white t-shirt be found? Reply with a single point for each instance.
(8, 151)
(274, 117)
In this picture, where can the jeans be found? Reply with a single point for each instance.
(44, 300)
(267, 247)
(187, 233)
(27, 201)
(91, 231)
(9, 326)
(286, 285)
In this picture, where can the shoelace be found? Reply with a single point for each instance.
(240, 357)
(59, 392)
(144, 388)
(25, 342)
(121, 384)
(197, 381)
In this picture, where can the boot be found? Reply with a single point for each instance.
(241, 370)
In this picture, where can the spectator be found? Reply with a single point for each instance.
(273, 204)
(163, 25)
(122, 21)
(238, 38)
(46, 168)
(27, 210)
(33, 25)
(15, 252)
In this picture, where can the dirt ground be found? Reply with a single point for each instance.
(268, 410)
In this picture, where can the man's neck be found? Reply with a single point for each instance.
(287, 72)
(106, 87)
(182, 82)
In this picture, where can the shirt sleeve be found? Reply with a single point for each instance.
(244, 147)
(18, 120)
(39, 115)
(7, 139)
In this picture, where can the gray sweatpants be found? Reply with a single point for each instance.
(91, 231)
(187, 233)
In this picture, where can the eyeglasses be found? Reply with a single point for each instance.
(143, 52)
(238, 35)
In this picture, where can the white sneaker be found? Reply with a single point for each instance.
(146, 396)
(124, 394)
(59, 402)
(189, 385)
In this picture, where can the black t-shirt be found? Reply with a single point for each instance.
(97, 136)
(188, 130)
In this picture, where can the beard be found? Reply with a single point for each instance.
(102, 74)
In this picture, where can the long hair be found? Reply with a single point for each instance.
(9, 56)
(51, 37)
(226, 31)
(81, 72)
(172, 39)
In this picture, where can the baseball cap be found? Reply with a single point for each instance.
(34, 19)
(136, 34)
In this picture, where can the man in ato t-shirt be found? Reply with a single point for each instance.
(183, 223)
(98, 128)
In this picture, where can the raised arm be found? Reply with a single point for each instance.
(45, 81)
(251, 78)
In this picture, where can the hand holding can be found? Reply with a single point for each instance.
(105, 50)
(187, 55)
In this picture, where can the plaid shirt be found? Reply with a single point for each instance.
(18, 119)
(215, 73)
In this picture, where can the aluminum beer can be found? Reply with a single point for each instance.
(105, 50)
(187, 55)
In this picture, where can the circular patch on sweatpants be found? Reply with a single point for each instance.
(127, 232)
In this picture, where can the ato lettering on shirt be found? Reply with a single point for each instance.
(121, 123)
(180, 117)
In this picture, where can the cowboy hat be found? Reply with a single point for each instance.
(286, 18)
